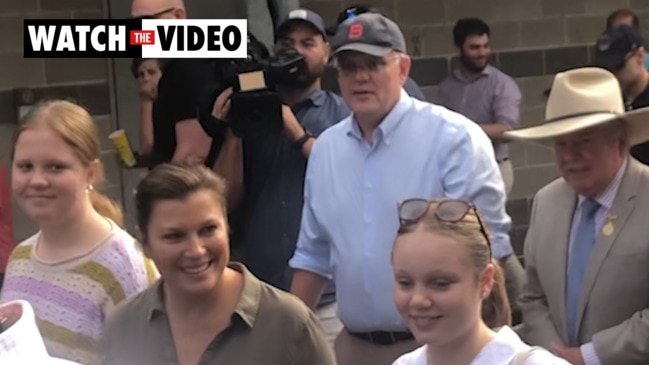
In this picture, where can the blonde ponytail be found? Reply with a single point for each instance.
(106, 207)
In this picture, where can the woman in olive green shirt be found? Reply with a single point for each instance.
(205, 310)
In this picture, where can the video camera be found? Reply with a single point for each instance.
(255, 105)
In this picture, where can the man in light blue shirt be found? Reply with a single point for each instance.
(393, 147)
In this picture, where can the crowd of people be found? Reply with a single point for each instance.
(373, 223)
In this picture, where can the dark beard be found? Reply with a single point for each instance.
(470, 66)
(303, 79)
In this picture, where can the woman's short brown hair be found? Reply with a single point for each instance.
(173, 181)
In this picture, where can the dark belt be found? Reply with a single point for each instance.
(383, 338)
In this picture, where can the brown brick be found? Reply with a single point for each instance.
(456, 9)
(429, 71)
(543, 32)
(112, 167)
(430, 92)
(532, 89)
(105, 128)
(521, 63)
(6, 143)
(8, 7)
(18, 71)
(11, 34)
(515, 9)
(639, 5)
(88, 14)
(414, 37)
(327, 10)
(70, 4)
(24, 227)
(517, 154)
(410, 12)
(518, 210)
(605, 6)
(65, 70)
(539, 155)
(563, 7)
(438, 40)
(531, 116)
(565, 58)
(528, 180)
(505, 35)
(8, 111)
(584, 29)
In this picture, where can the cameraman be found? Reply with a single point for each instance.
(266, 173)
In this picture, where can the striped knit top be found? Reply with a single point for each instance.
(72, 299)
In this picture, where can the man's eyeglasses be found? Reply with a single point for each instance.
(450, 211)
(153, 16)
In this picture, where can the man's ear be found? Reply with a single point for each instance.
(404, 67)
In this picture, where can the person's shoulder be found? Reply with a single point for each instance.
(502, 77)
(415, 357)
(541, 356)
(282, 304)
(337, 105)
(134, 310)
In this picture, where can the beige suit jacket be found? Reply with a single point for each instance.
(614, 304)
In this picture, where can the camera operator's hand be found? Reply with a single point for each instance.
(222, 105)
(292, 127)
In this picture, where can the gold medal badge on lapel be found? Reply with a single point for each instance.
(609, 227)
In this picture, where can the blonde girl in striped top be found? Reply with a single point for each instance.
(80, 264)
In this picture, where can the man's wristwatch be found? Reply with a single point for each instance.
(299, 143)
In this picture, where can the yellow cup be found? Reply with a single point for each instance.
(123, 147)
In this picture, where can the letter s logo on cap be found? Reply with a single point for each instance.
(355, 31)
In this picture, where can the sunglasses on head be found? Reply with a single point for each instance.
(153, 16)
(449, 210)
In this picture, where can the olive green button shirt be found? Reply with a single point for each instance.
(268, 327)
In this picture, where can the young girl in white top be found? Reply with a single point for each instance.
(443, 272)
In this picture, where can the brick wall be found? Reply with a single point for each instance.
(531, 40)
(25, 81)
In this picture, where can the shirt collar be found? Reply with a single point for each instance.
(246, 309)
(457, 73)
(608, 195)
(388, 124)
(316, 98)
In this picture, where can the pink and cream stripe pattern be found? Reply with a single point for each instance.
(72, 299)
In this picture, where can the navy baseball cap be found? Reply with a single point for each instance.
(369, 33)
(302, 16)
(614, 46)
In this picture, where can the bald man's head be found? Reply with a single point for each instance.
(161, 9)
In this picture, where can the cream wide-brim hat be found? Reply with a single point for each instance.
(583, 98)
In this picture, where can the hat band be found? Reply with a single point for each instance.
(576, 115)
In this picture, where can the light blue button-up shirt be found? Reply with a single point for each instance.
(350, 219)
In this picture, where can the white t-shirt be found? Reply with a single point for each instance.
(500, 351)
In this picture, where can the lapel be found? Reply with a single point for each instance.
(622, 207)
(563, 210)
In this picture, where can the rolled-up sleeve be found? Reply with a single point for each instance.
(470, 172)
(312, 252)
(507, 102)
